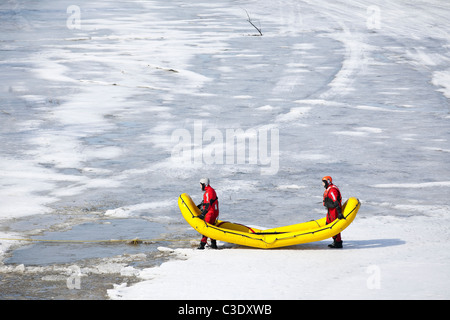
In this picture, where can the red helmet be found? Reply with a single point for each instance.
(327, 179)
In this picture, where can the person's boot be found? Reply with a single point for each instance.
(201, 246)
(213, 244)
(336, 245)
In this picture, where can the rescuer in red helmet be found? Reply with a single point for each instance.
(209, 208)
(332, 200)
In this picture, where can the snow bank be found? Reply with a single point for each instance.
(442, 79)
(129, 211)
(397, 261)
(414, 185)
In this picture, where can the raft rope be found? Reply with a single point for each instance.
(128, 241)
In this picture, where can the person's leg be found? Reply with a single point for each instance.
(337, 240)
(202, 243)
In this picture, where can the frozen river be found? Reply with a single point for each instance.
(110, 110)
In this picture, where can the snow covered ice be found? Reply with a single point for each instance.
(92, 93)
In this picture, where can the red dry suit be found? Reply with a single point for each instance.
(211, 204)
(332, 200)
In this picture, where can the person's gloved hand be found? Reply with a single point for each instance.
(340, 215)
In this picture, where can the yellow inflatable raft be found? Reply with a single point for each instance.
(311, 231)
